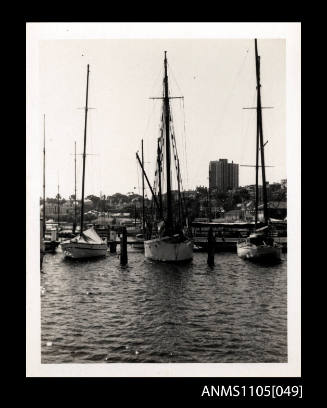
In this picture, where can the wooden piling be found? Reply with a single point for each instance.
(123, 247)
(112, 246)
(111, 241)
(211, 247)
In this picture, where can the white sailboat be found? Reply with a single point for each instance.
(87, 244)
(169, 249)
(169, 243)
(260, 245)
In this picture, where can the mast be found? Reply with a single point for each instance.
(259, 121)
(44, 224)
(147, 180)
(143, 207)
(209, 202)
(159, 179)
(84, 150)
(75, 216)
(169, 221)
(257, 169)
(58, 204)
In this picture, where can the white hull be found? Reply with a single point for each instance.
(258, 252)
(166, 250)
(79, 250)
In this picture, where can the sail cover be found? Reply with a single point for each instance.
(90, 236)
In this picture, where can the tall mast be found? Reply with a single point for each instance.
(169, 221)
(84, 150)
(259, 121)
(58, 204)
(209, 202)
(159, 179)
(257, 167)
(143, 208)
(75, 216)
(44, 224)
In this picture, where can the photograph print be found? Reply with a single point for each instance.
(160, 182)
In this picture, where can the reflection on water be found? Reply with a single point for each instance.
(98, 311)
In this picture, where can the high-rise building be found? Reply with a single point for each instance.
(223, 175)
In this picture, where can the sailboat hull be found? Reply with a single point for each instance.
(167, 249)
(258, 252)
(79, 250)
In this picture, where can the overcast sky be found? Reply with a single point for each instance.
(216, 78)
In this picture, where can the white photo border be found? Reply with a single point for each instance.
(291, 32)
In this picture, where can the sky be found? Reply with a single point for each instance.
(217, 80)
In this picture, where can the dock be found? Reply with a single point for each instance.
(229, 244)
(201, 243)
(226, 244)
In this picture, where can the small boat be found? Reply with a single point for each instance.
(260, 245)
(87, 244)
(51, 242)
(169, 243)
(51, 246)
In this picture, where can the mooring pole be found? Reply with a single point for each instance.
(211, 247)
(111, 240)
(112, 247)
(123, 247)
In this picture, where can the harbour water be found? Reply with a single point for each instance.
(99, 311)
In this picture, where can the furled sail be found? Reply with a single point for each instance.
(91, 236)
(88, 236)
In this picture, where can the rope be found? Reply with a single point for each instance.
(184, 135)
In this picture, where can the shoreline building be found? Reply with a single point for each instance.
(223, 176)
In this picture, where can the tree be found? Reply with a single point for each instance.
(95, 201)
(192, 207)
(201, 191)
(244, 194)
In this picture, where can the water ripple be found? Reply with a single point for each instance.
(149, 312)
